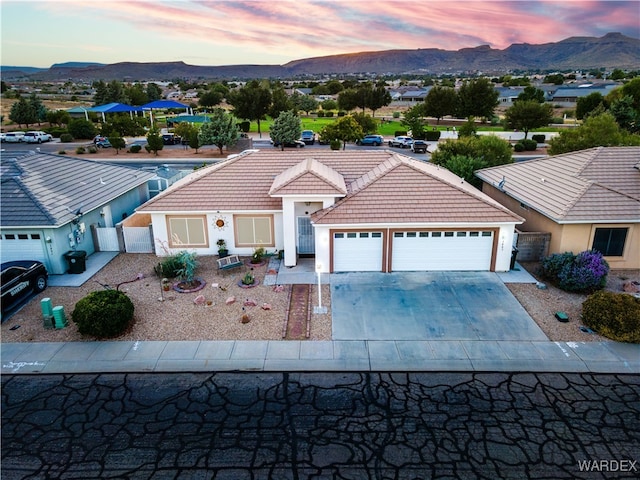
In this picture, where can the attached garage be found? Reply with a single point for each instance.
(22, 246)
(357, 251)
(441, 250)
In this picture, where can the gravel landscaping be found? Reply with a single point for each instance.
(176, 316)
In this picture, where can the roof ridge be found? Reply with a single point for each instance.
(35, 200)
(470, 190)
(377, 172)
(311, 166)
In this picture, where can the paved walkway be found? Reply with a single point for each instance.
(313, 356)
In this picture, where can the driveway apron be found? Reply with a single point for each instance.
(427, 306)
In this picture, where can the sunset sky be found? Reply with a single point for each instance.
(229, 32)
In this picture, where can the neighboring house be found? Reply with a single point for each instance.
(588, 199)
(50, 203)
(352, 210)
(567, 95)
(508, 95)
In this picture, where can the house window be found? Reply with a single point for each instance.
(610, 241)
(187, 232)
(252, 231)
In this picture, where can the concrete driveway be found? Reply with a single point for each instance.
(427, 306)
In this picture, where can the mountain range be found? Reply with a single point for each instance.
(613, 50)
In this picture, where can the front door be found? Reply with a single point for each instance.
(306, 242)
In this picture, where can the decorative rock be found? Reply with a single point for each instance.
(250, 303)
(278, 288)
(266, 306)
(230, 300)
(631, 287)
(272, 271)
(214, 285)
(245, 318)
(199, 300)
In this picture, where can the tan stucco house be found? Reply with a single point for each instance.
(366, 210)
(589, 199)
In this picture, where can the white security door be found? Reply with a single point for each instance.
(445, 250)
(357, 252)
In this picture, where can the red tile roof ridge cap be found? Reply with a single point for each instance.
(377, 172)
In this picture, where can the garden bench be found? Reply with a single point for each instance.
(229, 263)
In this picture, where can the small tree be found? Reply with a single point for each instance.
(81, 128)
(117, 142)
(528, 114)
(220, 131)
(154, 141)
(285, 129)
(345, 129)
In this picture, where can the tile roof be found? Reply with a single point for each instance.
(381, 186)
(599, 184)
(307, 178)
(45, 190)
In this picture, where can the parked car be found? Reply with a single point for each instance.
(14, 137)
(19, 279)
(419, 146)
(102, 142)
(36, 136)
(294, 144)
(171, 139)
(401, 141)
(308, 137)
(375, 140)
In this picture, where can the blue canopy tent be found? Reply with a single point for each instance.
(114, 108)
(161, 105)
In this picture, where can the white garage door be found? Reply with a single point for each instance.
(357, 252)
(22, 246)
(446, 250)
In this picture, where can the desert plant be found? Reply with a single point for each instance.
(103, 314)
(188, 264)
(66, 138)
(585, 272)
(258, 254)
(248, 279)
(613, 315)
(335, 145)
(135, 148)
(62, 152)
(169, 267)
(92, 149)
(80, 150)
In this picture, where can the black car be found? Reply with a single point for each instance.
(171, 139)
(419, 146)
(19, 280)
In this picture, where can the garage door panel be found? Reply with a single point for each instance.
(22, 247)
(357, 252)
(438, 251)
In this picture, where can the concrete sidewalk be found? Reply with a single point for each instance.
(307, 356)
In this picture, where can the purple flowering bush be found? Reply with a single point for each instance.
(585, 272)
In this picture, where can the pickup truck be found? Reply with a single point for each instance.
(36, 137)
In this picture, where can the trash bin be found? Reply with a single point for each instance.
(514, 254)
(77, 260)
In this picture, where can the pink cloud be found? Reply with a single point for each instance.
(301, 28)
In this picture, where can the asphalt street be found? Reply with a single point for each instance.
(315, 426)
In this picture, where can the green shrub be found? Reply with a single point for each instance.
(399, 133)
(328, 114)
(529, 145)
(396, 114)
(135, 148)
(613, 315)
(518, 147)
(66, 138)
(539, 138)
(62, 152)
(147, 148)
(432, 135)
(320, 113)
(103, 314)
(244, 126)
(81, 150)
(585, 272)
(170, 267)
(335, 144)
(342, 113)
(92, 149)
(57, 132)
